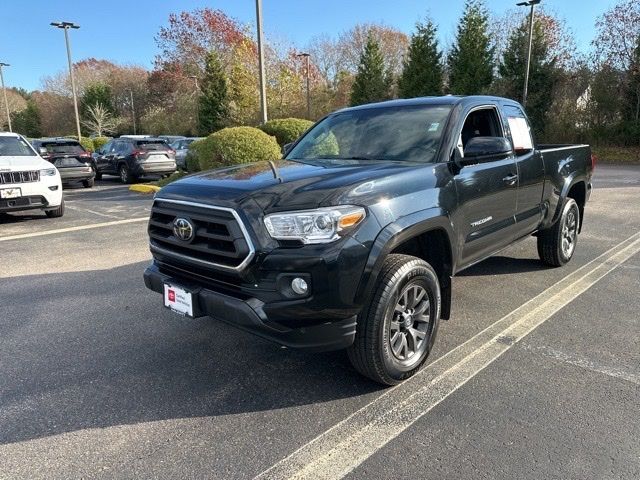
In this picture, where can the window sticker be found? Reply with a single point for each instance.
(434, 127)
(520, 133)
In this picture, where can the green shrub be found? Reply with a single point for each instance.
(86, 142)
(99, 142)
(191, 160)
(236, 145)
(286, 130)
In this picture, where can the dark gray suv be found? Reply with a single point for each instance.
(133, 158)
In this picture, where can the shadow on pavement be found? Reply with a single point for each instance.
(96, 349)
(503, 266)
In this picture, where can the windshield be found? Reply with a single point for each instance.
(403, 133)
(59, 147)
(15, 147)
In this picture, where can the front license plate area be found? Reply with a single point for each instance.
(178, 300)
(10, 193)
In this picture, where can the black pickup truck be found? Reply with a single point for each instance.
(351, 241)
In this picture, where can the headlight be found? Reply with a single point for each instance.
(48, 172)
(322, 225)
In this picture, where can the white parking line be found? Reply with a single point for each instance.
(73, 229)
(338, 451)
(86, 210)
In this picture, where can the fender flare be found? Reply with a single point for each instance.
(569, 182)
(398, 232)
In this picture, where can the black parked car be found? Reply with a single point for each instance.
(74, 163)
(132, 158)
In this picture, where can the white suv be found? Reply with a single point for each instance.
(27, 181)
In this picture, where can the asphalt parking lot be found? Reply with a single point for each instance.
(536, 375)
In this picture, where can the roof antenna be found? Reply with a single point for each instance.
(274, 169)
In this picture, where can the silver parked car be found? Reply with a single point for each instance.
(181, 147)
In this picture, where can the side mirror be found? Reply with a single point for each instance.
(43, 151)
(286, 148)
(487, 148)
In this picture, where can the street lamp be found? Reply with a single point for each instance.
(532, 4)
(195, 79)
(307, 57)
(4, 91)
(66, 26)
(263, 87)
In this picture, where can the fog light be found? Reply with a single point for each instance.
(299, 286)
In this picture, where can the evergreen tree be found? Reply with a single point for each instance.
(27, 121)
(96, 94)
(213, 104)
(422, 72)
(543, 73)
(371, 84)
(632, 109)
(471, 59)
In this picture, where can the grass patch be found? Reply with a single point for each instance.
(628, 155)
(172, 178)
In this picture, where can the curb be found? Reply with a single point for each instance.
(144, 188)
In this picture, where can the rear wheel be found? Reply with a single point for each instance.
(125, 174)
(88, 183)
(58, 212)
(557, 244)
(97, 174)
(396, 331)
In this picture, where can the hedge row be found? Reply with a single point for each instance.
(91, 144)
(232, 146)
(286, 130)
(236, 145)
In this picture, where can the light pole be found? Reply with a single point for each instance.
(307, 57)
(4, 91)
(66, 26)
(532, 4)
(133, 112)
(263, 87)
(195, 79)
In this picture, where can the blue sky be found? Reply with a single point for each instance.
(123, 31)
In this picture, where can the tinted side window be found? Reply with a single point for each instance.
(520, 129)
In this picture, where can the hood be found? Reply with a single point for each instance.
(19, 164)
(299, 185)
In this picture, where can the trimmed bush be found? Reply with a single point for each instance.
(191, 160)
(99, 142)
(236, 145)
(286, 130)
(86, 142)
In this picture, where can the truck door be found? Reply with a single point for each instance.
(487, 191)
(530, 170)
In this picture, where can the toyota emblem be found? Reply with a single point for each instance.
(183, 229)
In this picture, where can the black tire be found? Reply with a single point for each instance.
(58, 212)
(373, 353)
(98, 175)
(125, 174)
(88, 183)
(557, 244)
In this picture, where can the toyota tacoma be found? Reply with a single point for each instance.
(352, 239)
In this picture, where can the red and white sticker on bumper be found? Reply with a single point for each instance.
(178, 300)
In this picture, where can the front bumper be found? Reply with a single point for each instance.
(248, 314)
(34, 196)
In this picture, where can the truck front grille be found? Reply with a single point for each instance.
(219, 238)
(19, 177)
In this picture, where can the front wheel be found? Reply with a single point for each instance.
(396, 331)
(557, 244)
(58, 212)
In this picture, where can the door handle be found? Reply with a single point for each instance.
(510, 179)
